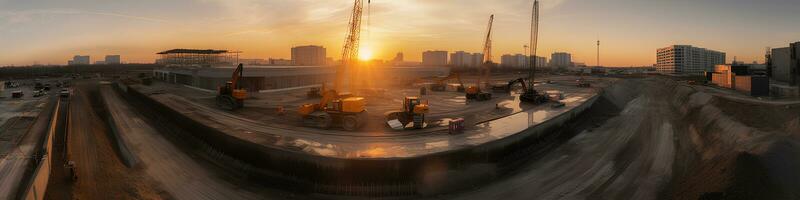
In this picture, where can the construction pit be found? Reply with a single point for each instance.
(377, 159)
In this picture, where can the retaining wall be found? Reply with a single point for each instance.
(424, 175)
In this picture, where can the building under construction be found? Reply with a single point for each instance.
(197, 57)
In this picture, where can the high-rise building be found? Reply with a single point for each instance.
(434, 58)
(561, 60)
(784, 64)
(112, 59)
(466, 59)
(80, 60)
(309, 55)
(686, 59)
(521, 61)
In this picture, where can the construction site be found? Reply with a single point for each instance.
(202, 126)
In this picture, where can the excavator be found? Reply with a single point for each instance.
(414, 110)
(529, 94)
(441, 86)
(231, 96)
(335, 108)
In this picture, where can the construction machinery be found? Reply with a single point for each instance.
(529, 95)
(231, 96)
(475, 93)
(441, 84)
(414, 111)
(335, 108)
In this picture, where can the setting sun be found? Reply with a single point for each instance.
(365, 54)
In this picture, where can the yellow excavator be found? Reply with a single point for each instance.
(334, 108)
(231, 95)
(414, 110)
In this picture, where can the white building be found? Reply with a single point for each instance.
(466, 59)
(561, 60)
(686, 59)
(309, 55)
(521, 61)
(80, 60)
(112, 59)
(434, 58)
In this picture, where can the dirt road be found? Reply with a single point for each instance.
(100, 172)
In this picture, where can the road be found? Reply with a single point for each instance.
(181, 175)
(101, 174)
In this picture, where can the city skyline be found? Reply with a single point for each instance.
(51, 32)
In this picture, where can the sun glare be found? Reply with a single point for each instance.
(365, 54)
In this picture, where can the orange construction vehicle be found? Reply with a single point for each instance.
(441, 84)
(414, 110)
(231, 96)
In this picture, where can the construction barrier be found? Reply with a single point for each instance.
(41, 174)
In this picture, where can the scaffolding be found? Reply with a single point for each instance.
(197, 58)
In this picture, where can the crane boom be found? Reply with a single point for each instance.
(350, 49)
(487, 52)
(534, 43)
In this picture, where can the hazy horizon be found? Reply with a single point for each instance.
(51, 32)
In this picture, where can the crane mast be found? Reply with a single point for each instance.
(487, 52)
(350, 49)
(533, 43)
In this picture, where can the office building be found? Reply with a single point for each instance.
(112, 59)
(79, 60)
(561, 60)
(521, 61)
(434, 58)
(309, 56)
(687, 60)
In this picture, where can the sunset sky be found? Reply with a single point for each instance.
(52, 31)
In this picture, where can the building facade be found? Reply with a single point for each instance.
(561, 60)
(309, 56)
(686, 59)
(434, 58)
(113, 59)
(784, 64)
(80, 60)
(521, 61)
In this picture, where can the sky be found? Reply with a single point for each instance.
(52, 31)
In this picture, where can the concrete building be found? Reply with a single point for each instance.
(687, 60)
(784, 64)
(739, 77)
(561, 60)
(261, 78)
(521, 61)
(466, 59)
(434, 58)
(113, 59)
(80, 60)
(309, 56)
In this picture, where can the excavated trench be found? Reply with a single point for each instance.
(643, 138)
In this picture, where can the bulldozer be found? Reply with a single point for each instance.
(529, 95)
(335, 109)
(414, 110)
(231, 95)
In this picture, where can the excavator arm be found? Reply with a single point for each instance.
(237, 75)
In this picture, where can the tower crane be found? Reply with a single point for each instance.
(335, 108)
(530, 94)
